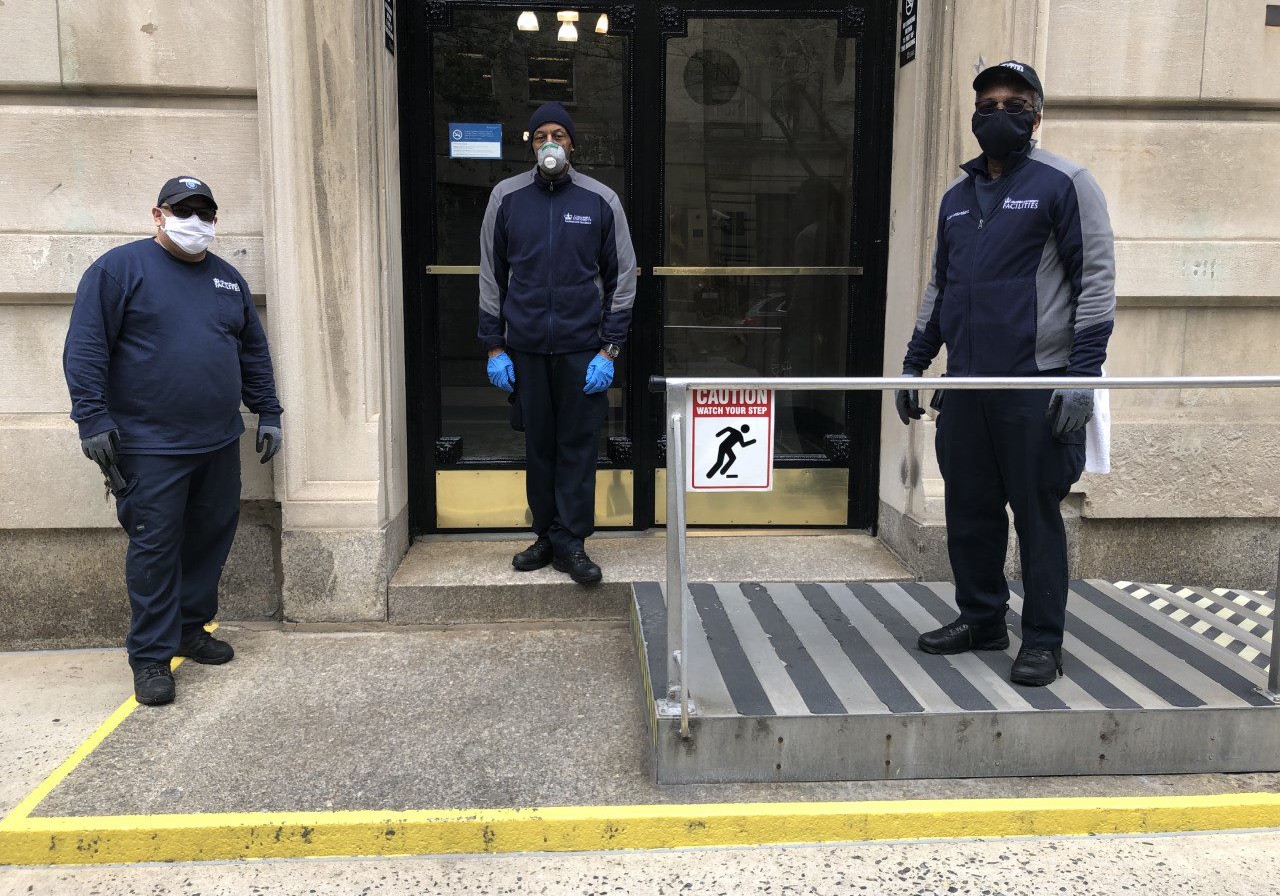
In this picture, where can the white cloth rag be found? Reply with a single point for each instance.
(1097, 433)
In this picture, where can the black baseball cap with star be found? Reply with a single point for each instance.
(1019, 70)
(177, 189)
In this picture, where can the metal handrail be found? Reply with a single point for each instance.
(677, 697)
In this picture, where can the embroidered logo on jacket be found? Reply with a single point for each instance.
(956, 214)
(1021, 203)
(226, 284)
(576, 219)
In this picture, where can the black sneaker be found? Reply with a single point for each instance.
(535, 556)
(204, 648)
(1036, 667)
(153, 685)
(960, 637)
(579, 567)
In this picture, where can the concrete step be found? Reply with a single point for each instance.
(452, 580)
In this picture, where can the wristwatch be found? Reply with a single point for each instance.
(612, 350)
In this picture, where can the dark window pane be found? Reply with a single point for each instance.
(551, 76)
(759, 155)
(487, 71)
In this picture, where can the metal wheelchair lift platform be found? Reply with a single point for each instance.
(816, 681)
(824, 682)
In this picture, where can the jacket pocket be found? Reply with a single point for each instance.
(953, 322)
(1003, 327)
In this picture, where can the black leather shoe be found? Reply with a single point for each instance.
(535, 556)
(206, 649)
(153, 685)
(579, 567)
(1036, 666)
(959, 637)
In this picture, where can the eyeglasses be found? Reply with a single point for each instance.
(1013, 107)
(556, 136)
(185, 211)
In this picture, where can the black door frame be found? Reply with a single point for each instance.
(649, 25)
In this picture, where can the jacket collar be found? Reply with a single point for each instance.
(977, 166)
(559, 183)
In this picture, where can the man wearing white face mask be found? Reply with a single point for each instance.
(163, 347)
(557, 284)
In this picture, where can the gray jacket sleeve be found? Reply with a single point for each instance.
(1088, 250)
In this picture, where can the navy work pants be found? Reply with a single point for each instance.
(180, 512)
(561, 437)
(995, 449)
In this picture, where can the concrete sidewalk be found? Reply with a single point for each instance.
(1189, 865)
(465, 718)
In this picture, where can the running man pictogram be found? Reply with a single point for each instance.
(734, 439)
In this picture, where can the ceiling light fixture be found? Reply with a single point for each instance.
(527, 21)
(567, 32)
(567, 16)
(602, 23)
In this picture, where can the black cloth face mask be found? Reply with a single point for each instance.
(1001, 134)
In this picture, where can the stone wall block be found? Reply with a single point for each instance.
(1241, 54)
(44, 265)
(1169, 468)
(64, 588)
(1101, 49)
(1160, 176)
(97, 170)
(172, 45)
(30, 57)
(46, 482)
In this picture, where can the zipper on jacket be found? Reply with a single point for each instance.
(551, 254)
(982, 222)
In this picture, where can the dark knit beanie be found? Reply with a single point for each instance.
(552, 112)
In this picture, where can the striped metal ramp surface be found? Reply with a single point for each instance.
(796, 650)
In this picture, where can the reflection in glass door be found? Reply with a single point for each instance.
(759, 134)
(758, 191)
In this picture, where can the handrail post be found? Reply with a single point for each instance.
(677, 569)
(1272, 691)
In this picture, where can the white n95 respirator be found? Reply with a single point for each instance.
(552, 159)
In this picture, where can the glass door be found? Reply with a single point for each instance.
(491, 66)
(749, 143)
(760, 269)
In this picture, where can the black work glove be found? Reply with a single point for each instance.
(1069, 410)
(269, 439)
(907, 402)
(103, 449)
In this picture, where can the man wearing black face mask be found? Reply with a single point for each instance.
(1023, 285)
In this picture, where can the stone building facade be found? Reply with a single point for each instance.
(290, 110)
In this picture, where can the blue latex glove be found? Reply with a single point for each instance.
(502, 373)
(599, 375)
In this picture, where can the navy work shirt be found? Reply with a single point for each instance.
(165, 351)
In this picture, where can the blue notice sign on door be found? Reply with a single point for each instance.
(475, 141)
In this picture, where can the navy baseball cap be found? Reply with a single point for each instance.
(177, 189)
(1019, 70)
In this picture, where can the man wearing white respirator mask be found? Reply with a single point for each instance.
(163, 347)
(557, 283)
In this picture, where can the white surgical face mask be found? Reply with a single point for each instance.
(191, 235)
(552, 159)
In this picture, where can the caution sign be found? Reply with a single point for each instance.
(729, 444)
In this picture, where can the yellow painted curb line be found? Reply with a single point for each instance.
(87, 746)
(182, 838)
